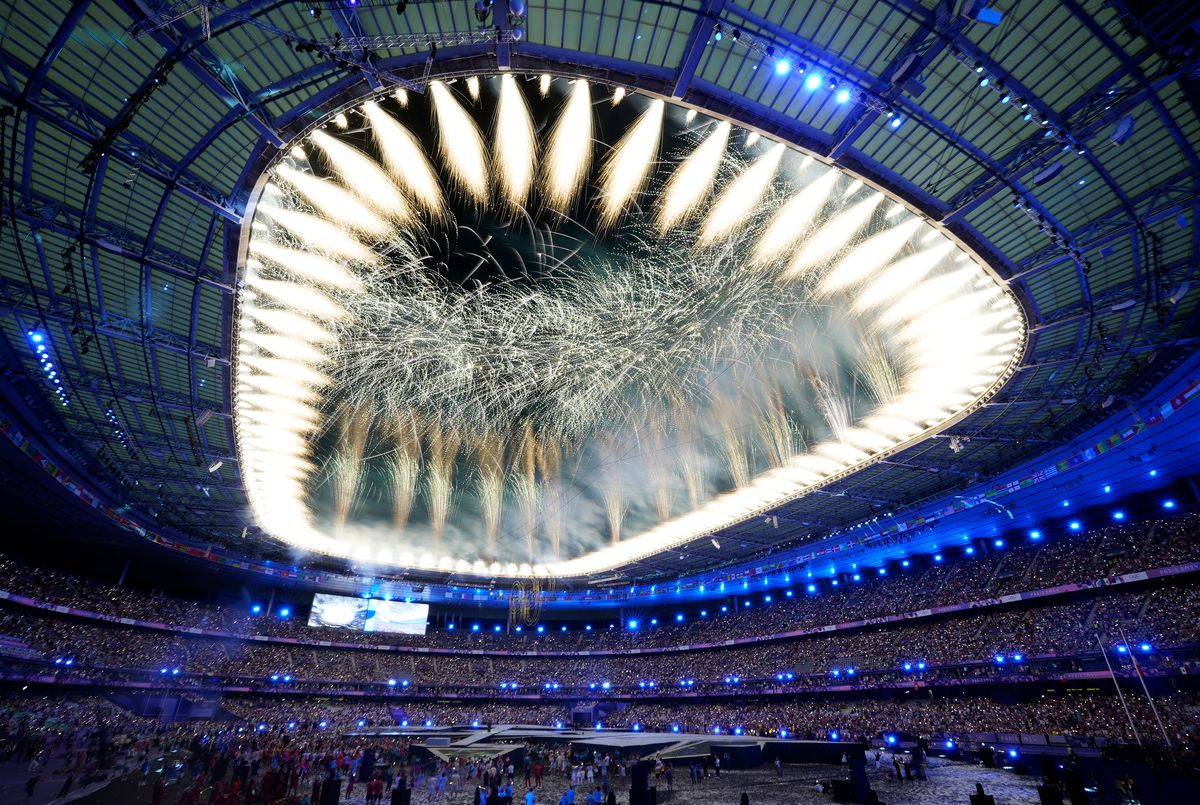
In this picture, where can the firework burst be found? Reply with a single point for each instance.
(545, 383)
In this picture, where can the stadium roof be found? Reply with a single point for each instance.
(1059, 141)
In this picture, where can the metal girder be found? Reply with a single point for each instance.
(42, 214)
(205, 67)
(697, 41)
(60, 108)
(20, 299)
(1176, 194)
(1082, 121)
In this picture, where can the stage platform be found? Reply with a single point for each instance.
(678, 748)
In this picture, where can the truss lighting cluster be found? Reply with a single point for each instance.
(118, 431)
(785, 63)
(40, 343)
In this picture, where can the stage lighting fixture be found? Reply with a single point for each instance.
(474, 627)
(883, 571)
(633, 625)
(392, 683)
(541, 629)
(449, 627)
(1018, 657)
(905, 563)
(1075, 525)
(1118, 515)
(674, 728)
(1168, 504)
(969, 551)
(812, 588)
(949, 743)
(783, 67)
(999, 543)
(718, 35)
(314, 12)
(812, 82)
(833, 736)
(891, 739)
(256, 609)
(983, 82)
(1145, 647)
(896, 121)
(285, 612)
(496, 628)
(1035, 534)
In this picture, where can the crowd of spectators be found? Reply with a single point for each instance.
(988, 572)
(1046, 639)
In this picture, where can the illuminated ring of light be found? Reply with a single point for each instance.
(964, 331)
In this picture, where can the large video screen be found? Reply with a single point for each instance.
(341, 611)
(397, 617)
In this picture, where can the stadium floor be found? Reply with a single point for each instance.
(949, 782)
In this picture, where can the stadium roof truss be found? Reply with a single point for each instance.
(134, 132)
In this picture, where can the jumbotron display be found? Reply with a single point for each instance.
(525, 326)
(368, 614)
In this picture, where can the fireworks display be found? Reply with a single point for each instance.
(543, 353)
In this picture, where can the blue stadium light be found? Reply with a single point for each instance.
(783, 733)
(834, 582)
(503, 686)
(274, 677)
(1035, 534)
(1145, 647)
(949, 743)
(834, 736)
(747, 604)
(843, 96)
(850, 672)
(637, 727)
(518, 628)
(475, 723)
(983, 82)
(937, 557)
(766, 599)
(835, 672)
(999, 658)
(428, 722)
(1013, 753)
(674, 728)
(605, 685)
(1153, 473)
(905, 563)
(857, 577)
(812, 588)
(788, 593)
(783, 67)
(35, 338)
(703, 614)
(633, 624)
(262, 727)
(323, 724)
(716, 730)
(896, 121)
(737, 730)
(1168, 504)
(1075, 525)
(999, 543)
(654, 621)
(969, 551)
(599, 725)
(283, 613)
(474, 627)
(163, 670)
(1107, 488)
(1066, 503)
(1018, 657)
(286, 677)
(449, 627)
(908, 666)
(1118, 515)
(564, 628)
(1121, 649)
(496, 628)
(921, 666)
(724, 608)
(891, 739)
(813, 81)
(361, 723)
(257, 608)
(679, 617)
(883, 571)
(558, 725)
(391, 683)
(587, 628)
(718, 36)
(404, 723)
